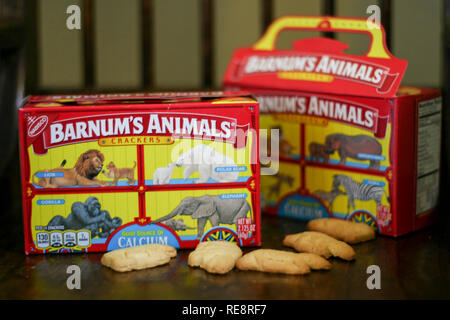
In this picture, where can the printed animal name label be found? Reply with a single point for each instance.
(231, 169)
(50, 202)
(54, 174)
(233, 196)
(374, 183)
(371, 156)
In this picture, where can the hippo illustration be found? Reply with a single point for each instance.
(351, 146)
(317, 152)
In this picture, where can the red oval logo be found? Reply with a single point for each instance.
(37, 126)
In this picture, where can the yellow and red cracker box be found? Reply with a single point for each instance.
(353, 144)
(103, 172)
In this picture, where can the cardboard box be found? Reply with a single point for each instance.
(353, 145)
(103, 172)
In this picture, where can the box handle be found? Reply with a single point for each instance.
(377, 46)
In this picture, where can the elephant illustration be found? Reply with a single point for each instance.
(176, 224)
(209, 208)
(350, 146)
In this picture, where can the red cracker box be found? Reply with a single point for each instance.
(103, 172)
(352, 144)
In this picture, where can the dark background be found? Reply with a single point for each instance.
(23, 72)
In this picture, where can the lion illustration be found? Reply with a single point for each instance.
(120, 173)
(87, 167)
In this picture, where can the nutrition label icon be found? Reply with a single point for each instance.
(83, 238)
(56, 239)
(70, 239)
(42, 240)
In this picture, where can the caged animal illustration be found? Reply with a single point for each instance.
(317, 152)
(285, 147)
(87, 215)
(267, 149)
(358, 191)
(351, 146)
(120, 173)
(162, 175)
(328, 196)
(275, 188)
(84, 173)
(209, 208)
(207, 162)
(177, 224)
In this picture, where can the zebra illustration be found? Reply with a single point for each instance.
(328, 196)
(358, 191)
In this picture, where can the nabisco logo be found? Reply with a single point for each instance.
(37, 125)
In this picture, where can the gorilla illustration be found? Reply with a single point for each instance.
(89, 216)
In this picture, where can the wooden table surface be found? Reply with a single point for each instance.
(415, 266)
